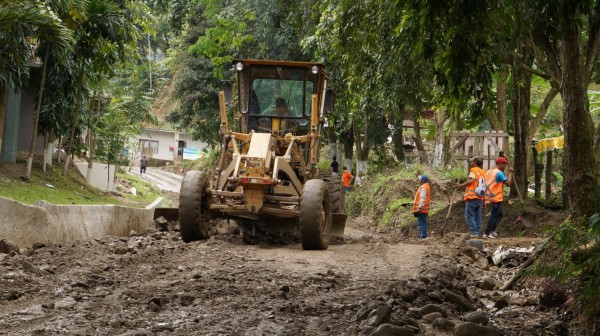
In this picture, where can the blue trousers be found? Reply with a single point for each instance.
(422, 223)
(495, 217)
(473, 215)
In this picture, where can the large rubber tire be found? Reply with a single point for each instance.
(315, 215)
(336, 194)
(193, 208)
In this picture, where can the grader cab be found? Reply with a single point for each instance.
(267, 170)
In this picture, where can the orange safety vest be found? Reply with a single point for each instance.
(425, 208)
(346, 178)
(470, 193)
(493, 193)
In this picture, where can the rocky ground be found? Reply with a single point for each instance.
(367, 284)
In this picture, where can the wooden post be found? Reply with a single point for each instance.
(548, 191)
(537, 172)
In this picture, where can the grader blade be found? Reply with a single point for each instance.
(338, 224)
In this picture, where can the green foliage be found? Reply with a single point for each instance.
(577, 256)
(20, 22)
(392, 208)
(206, 163)
(358, 200)
(113, 131)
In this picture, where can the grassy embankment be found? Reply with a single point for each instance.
(54, 187)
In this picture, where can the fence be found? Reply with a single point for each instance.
(488, 145)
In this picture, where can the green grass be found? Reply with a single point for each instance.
(146, 193)
(51, 186)
(392, 208)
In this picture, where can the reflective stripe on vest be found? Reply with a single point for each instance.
(470, 193)
(493, 193)
(425, 208)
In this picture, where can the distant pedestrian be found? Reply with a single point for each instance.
(334, 167)
(495, 180)
(346, 179)
(421, 205)
(475, 188)
(143, 165)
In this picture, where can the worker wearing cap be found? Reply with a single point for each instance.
(421, 205)
(495, 180)
(473, 200)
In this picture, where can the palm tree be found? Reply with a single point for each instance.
(68, 11)
(109, 34)
(19, 22)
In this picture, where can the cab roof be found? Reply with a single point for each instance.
(248, 62)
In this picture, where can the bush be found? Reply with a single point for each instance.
(577, 258)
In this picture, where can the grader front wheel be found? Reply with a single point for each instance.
(315, 215)
(193, 210)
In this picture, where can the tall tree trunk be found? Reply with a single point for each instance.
(45, 151)
(539, 117)
(88, 174)
(417, 139)
(398, 135)
(581, 189)
(549, 177)
(348, 142)
(333, 142)
(3, 103)
(38, 109)
(538, 169)
(362, 146)
(440, 136)
(501, 99)
(75, 120)
(521, 105)
(48, 148)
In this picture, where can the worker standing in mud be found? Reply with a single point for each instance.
(473, 197)
(495, 180)
(421, 205)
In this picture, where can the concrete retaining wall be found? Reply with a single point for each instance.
(25, 225)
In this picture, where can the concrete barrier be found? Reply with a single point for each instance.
(44, 222)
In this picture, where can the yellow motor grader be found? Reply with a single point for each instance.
(270, 147)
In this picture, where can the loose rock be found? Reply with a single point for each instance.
(392, 330)
(479, 317)
(473, 329)
(444, 324)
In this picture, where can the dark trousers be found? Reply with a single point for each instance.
(422, 224)
(495, 217)
(142, 169)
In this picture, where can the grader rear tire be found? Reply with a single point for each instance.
(338, 216)
(315, 215)
(193, 210)
(336, 194)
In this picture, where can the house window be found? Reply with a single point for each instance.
(149, 145)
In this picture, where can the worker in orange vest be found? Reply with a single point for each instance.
(473, 197)
(346, 179)
(495, 180)
(421, 205)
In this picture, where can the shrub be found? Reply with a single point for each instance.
(577, 257)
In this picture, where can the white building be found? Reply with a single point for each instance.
(162, 146)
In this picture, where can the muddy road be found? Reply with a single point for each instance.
(370, 283)
(155, 283)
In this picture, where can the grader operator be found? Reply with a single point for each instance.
(267, 170)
